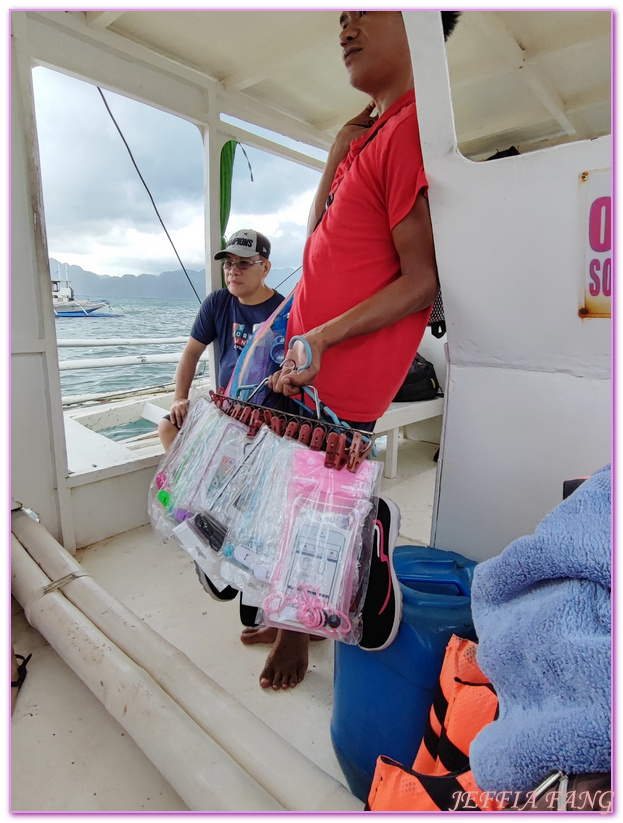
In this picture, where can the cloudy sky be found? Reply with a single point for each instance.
(98, 213)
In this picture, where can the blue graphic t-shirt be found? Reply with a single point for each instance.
(224, 318)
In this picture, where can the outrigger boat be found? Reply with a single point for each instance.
(139, 696)
(65, 304)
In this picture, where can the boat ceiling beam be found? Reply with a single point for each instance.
(64, 42)
(69, 46)
(513, 55)
(506, 126)
(531, 58)
(102, 19)
(241, 105)
(575, 49)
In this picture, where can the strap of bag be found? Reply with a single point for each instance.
(331, 196)
(437, 319)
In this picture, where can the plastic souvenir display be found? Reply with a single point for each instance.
(258, 499)
(257, 516)
(321, 572)
(197, 465)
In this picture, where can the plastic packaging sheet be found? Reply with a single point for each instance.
(207, 450)
(321, 574)
(258, 516)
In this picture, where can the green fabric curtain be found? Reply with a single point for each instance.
(227, 169)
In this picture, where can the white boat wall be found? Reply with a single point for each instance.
(528, 366)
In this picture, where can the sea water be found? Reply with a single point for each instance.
(142, 317)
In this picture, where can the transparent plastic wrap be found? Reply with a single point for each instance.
(320, 578)
(207, 450)
(223, 501)
(256, 497)
(263, 353)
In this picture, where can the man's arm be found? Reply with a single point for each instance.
(356, 127)
(414, 290)
(184, 374)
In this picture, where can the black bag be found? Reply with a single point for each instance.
(420, 383)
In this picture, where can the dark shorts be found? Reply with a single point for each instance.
(168, 417)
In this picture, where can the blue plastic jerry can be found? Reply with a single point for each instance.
(382, 699)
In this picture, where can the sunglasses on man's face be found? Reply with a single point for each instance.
(242, 265)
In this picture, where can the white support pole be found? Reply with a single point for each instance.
(213, 142)
(37, 425)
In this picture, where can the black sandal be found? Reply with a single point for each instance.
(21, 671)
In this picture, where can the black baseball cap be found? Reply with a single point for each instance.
(246, 243)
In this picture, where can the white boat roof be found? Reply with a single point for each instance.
(528, 79)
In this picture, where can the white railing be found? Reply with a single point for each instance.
(117, 341)
(128, 360)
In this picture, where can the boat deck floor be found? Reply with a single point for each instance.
(68, 754)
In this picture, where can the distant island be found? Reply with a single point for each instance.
(168, 285)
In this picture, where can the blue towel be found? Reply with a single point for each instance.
(542, 614)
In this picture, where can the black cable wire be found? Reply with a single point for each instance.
(289, 276)
(148, 192)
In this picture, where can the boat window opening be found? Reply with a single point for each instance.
(529, 80)
(276, 200)
(107, 247)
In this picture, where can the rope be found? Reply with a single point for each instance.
(125, 142)
(289, 276)
(51, 587)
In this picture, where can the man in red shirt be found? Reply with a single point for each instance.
(369, 279)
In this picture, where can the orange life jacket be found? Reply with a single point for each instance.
(441, 779)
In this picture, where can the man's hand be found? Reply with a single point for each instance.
(357, 127)
(292, 376)
(184, 374)
(179, 410)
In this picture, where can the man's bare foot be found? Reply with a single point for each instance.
(264, 634)
(287, 662)
(258, 634)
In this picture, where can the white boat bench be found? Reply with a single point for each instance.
(397, 416)
(153, 412)
(88, 450)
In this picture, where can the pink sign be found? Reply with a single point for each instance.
(598, 265)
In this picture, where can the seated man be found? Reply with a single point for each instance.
(229, 316)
